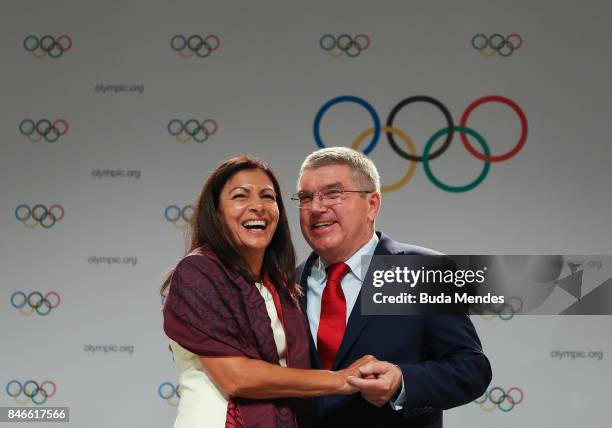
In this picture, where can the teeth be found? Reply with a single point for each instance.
(322, 224)
(254, 223)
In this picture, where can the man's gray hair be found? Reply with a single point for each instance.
(364, 171)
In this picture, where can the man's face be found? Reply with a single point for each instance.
(336, 232)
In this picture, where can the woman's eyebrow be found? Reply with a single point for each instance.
(240, 188)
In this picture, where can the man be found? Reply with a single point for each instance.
(427, 363)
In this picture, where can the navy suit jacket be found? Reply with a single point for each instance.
(440, 357)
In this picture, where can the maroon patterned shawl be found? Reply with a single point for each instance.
(213, 311)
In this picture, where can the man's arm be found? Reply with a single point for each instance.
(455, 372)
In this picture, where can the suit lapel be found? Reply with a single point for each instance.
(357, 321)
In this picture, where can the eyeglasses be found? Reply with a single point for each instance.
(328, 198)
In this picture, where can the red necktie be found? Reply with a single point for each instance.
(332, 321)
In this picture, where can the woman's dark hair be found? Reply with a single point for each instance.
(206, 228)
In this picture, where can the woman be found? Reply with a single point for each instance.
(232, 309)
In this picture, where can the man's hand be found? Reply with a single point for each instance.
(379, 382)
(352, 371)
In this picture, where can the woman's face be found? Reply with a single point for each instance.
(247, 206)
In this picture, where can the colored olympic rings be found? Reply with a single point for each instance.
(180, 217)
(168, 392)
(47, 217)
(498, 398)
(43, 128)
(505, 311)
(192, 129)
(519, 113)
(187, 46)
(347, 99)
(435, 103)
(428, 155)
(409, 145)
(47, 45)
(35, 301)
(351, 46)
(443, 186)
(31, 390)
(497, 43)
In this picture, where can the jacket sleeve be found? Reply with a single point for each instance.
(455, 372)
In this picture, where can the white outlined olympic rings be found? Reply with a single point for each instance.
(192, 129)
(447, 132)
(344, 44)
(168, 392)
(49, 45)
(180, 217)
(47, 217)
(35, 302)
(498, 398)
(43, 128)
(187, 46)
(507, 310)
(497, 43)
(31, 390)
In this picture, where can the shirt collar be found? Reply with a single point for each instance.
(353, 262)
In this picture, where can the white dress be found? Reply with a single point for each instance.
(202, 403)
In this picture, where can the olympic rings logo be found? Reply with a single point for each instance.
(47, 45)
(447, 132)
(35, 302)
(192, 129)
(497, 44)
(178, 216)
(496, 397)
(43, 128)
(170, 393)
(39, 214)
(506, 310)
(187, 46)
(31, 391)
(344, 44)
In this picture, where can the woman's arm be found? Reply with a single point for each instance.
(257, 379)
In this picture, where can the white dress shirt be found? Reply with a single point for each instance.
(351, 286)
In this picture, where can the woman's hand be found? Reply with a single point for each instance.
(353, 370)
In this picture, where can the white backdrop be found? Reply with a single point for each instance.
(116, 169)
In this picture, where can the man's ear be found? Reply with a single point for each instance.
(373, 206)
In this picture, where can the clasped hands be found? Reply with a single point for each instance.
(377, 381)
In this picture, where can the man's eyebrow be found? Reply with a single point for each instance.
(336, 185)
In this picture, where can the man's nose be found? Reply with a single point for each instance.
(317, 204)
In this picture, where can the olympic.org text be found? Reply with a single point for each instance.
(566, 355)
(112, 173)
(107, 260)
(115, 89)
(109, 348)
